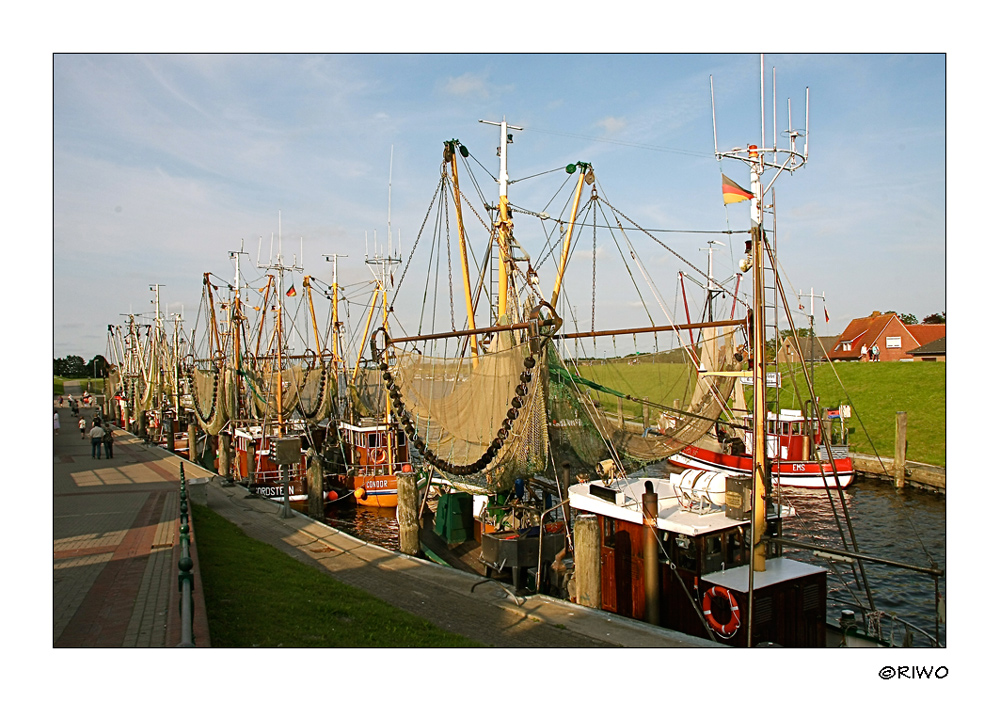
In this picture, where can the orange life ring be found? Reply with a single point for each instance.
(380, 455)
(730, 627)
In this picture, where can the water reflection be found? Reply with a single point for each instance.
(907, 527)
(375, 525)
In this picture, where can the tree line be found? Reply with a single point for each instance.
(76, 367)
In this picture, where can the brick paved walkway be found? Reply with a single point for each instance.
(115, 544)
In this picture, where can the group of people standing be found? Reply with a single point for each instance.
(99, 436)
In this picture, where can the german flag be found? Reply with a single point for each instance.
(291, 292)
(731, 192)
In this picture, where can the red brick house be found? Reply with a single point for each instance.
(883, 337)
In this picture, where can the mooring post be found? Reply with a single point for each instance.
(168, 429)
(315, 485)
(621, 413)
(407, 502)
(650, 555)
(900, 458)
(587, 558)
(225, 455)
(192, 441)
(645, 413)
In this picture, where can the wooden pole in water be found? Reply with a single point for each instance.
(650, 555)
(900, 458)
(406, 512)
(587, 557)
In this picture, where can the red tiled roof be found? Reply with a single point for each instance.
(860, 332)
(926, 333)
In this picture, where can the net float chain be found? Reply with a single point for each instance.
(494, 448)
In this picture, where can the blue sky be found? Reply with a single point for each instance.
(164, 163)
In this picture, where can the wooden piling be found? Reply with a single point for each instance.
(587, 559)
(407, 502)
(900, 456)
(651, 555)
(645, 413)
(316, 502)
(621, 413)
(168, 431)
(225, 455)
(192, 429)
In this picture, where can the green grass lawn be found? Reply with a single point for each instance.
(876, 392)
(257, 596)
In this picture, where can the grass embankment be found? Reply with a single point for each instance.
(91, 385)
(876, 391)
(255, 595)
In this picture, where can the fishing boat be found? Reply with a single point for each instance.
(703, 552)
(791, 440)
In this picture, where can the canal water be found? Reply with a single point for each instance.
(905, 526)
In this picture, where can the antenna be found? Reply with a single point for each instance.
(715, 136)
(388, 221)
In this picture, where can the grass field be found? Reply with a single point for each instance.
(92, 385)
(257, 596)
(876, 391)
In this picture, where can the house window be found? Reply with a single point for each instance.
(893, 342)
(846, 346)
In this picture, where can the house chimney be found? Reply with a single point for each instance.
(876, 313)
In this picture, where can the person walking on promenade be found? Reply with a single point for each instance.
(96, 440)
(109, 442)
(83, 428)
(55, 422)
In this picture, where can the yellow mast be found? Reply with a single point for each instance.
(469, 310)
(368, 326)
(312, 312)
(585, 170)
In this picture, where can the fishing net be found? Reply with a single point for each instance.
(583, 434)
(212, 404)
(462, 407)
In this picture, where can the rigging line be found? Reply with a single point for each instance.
(560, 168)
(630, 275)
(906, 512)
(532, 213)
(416, 241)
(647, 233)
(847, 517)
(648, 147)
(475, 183)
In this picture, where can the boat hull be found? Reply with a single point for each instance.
(799, 474)
(369, 490)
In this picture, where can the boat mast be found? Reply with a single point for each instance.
(504, 226)
(463, 254)
(783, 160)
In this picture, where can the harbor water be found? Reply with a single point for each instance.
(905, 526)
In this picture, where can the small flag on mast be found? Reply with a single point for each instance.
(291, 291)
(731, 192)
(826, 314)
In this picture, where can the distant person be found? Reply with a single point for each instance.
(60, 400)
(96, 441)
(109, 442)
(83, 428)
(55, 422)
